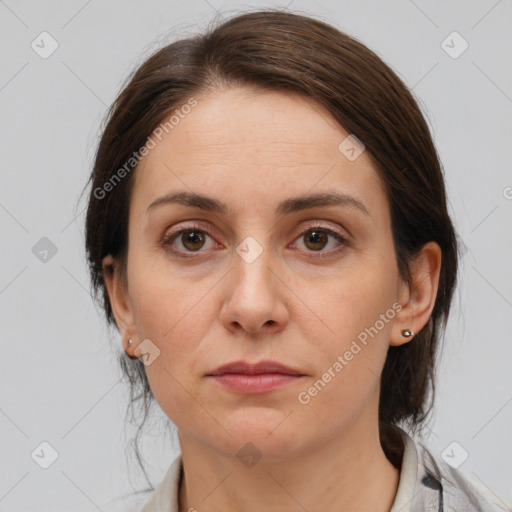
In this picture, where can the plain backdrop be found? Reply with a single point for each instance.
(59, 379)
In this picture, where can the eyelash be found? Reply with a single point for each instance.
(169, 239)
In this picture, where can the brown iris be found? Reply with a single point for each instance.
(318, 238)
(196, 239)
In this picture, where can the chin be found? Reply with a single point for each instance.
(268, 432)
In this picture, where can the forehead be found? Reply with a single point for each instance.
(258, 145)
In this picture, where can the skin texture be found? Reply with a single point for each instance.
(252, 149)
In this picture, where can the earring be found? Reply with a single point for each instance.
(407, 333)
(130, 343)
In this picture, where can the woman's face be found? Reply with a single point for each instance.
(264, 277)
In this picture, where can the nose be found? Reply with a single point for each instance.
(255, 301)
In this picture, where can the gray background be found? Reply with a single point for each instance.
(60, 382)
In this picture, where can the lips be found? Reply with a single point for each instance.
(263, 377)
(241, 367)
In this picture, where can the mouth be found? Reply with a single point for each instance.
(262, 377)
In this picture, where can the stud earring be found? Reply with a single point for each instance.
(407, 333)
(130, 343)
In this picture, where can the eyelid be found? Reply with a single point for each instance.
(324, 225)
(195, 226)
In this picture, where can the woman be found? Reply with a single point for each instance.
(267, 226)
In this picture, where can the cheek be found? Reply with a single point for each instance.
(164, 301)
(175, 316)
(348, 363)
(358, 311)
(355, 302)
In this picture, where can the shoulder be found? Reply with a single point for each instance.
(453, 490)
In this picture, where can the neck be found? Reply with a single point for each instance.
(348, 473)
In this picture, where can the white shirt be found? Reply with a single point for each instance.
(426, 484)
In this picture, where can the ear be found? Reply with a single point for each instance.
(418, 298)
(117, 289)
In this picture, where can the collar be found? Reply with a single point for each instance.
(165, 495)
(408, 475)
(425, 483)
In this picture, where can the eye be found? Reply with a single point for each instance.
(191, 239)
(316, 238)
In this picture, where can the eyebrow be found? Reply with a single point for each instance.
(293, 204)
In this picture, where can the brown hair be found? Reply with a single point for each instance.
(282, 51)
